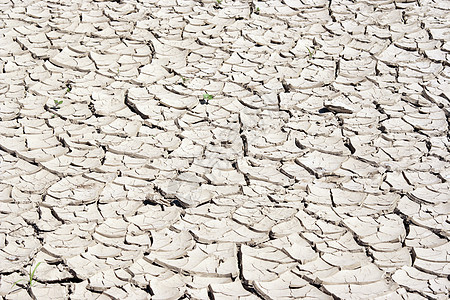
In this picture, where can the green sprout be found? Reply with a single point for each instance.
(57, 104)
(257, 9)
(219, 1)
(207, 97)
(30, 279)
(311, 53)
(184, 79)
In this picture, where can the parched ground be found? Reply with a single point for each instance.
(282, 149)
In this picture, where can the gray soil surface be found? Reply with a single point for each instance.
(281, 149)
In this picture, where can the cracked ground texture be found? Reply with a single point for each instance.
(318, 169)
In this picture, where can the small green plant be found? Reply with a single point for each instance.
(30, 280)
(57, 104)
(311, 53)
(257, 9)
(68, 88)
(219, 2)
(184, 79)
(207, 97)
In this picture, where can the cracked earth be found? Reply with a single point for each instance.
(318, 168)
